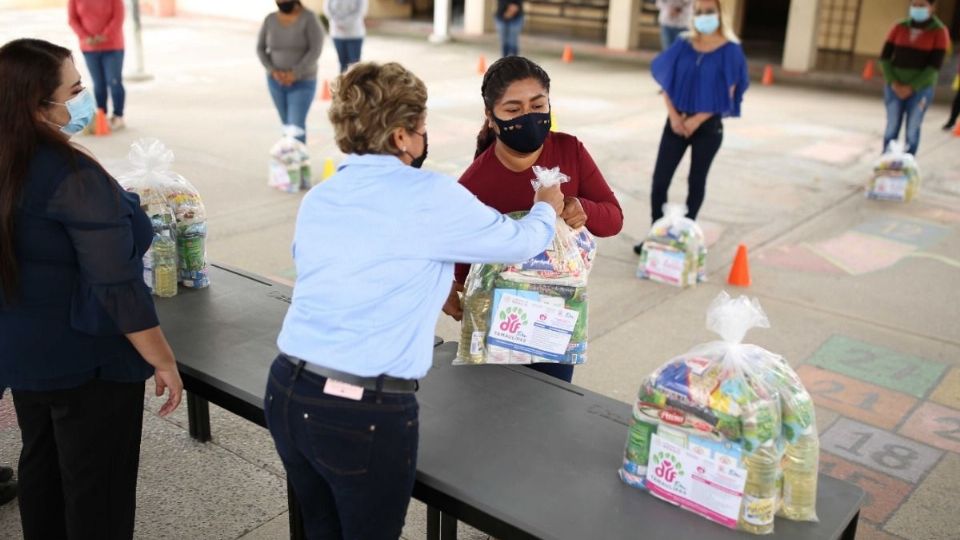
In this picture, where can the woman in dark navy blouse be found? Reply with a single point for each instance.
(79, 335)
(703, 76)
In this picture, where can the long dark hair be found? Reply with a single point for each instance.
(496, 80)
(29, 76)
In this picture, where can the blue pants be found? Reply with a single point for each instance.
(913, 108)
(106, 70)
(352, 464)
(669, 34)
(704, 145)
(348, 51)
(293, 102)
(510, 35)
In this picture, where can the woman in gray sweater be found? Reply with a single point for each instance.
(289, 45)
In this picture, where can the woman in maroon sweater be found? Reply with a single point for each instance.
(515, 137)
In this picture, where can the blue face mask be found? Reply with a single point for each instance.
(82, 108)
(919, 14)
(707, 23)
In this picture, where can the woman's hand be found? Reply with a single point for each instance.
(454, 306)
(678, 125)
(692, 124)
(552, 196)
(573, 213)
(169, 379)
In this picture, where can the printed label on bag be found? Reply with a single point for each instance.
(890, 187)
(476, 343)
(342, 389)
(532, 327)
(698, 483)
(759, 510)
(665, 266)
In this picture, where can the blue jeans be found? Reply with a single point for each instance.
(348, 51)
(510, 35)
(669, 34)
(352, 464)
(913, 108)
(293, 102)
(106, 70)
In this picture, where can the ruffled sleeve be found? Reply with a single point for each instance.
(736, 75)
(664, 66)
(110, 297)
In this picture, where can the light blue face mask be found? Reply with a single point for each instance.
(707, 23)
(919, 14)
(82, 108)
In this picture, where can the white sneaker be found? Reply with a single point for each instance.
(117, 123)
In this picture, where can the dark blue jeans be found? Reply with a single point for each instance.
(509, 31)
(669, 34)
(293, 102)
(348, 51)
(106, 70)
(912, 109)
(352, 464)
(704, 144)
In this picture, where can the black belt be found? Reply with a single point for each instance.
(383, 383)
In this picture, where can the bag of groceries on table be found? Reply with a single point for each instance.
(727, 430)
(531, 311)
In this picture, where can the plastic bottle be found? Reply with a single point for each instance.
(164, 265)
(800, 465)
(760, 493)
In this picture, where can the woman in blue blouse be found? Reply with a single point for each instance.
(703, 76)
(78, 331)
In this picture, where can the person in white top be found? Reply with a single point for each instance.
(346, 28)
(675, 18)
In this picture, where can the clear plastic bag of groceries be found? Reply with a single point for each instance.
(290, 163)
(164, 194)
(896, 175)
(675, 251)
(738, 413)
(506, 306)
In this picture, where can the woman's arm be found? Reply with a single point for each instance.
(153, 347)
(314, 44)
(603, 212)
(262, 48)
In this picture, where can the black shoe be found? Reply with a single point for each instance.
(6, 474)
(8, 492)
(949, 125)
(638, 249)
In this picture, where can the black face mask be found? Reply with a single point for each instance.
(418, 161)
(287, 7)
(524, 134)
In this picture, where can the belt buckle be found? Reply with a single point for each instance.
(341, 389)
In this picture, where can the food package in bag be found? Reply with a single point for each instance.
(535, 310)
(290, 163)
(896, 175)
(179, 249)
(674, 251)
(727, 430)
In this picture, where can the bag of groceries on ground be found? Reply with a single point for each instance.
(290, 163)
(531, 311)
(674, 251)
(896, 175)
(727, 430)
(179, 249)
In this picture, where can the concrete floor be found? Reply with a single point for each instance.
(853, 288)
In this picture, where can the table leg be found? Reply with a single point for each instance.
(440, 526)
(850, 533)
(296, 516)
(198, 417)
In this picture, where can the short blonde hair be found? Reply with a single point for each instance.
(370, 101)
(726, 30)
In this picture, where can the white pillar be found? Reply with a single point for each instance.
(622, 17)
(441, 21)
(478, 16)
(800, 50)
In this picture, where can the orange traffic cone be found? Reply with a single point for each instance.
(325, 95)
(767, 75)
(482, 65)
(868, 71)
(101, 127)
(740, 272)
(956, 130)
(567, 54)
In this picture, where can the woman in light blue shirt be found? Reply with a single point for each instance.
(374, 248)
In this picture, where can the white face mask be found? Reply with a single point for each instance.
(82, 108)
